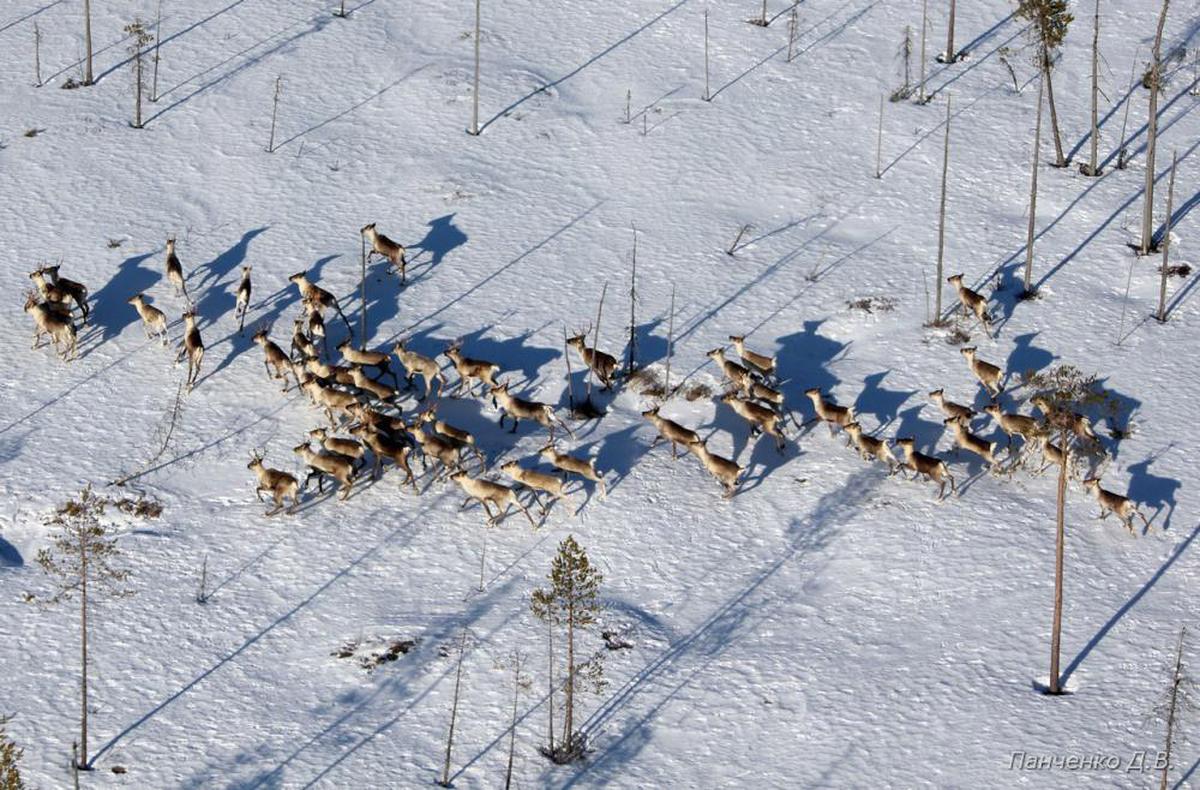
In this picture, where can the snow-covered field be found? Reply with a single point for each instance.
(827, 627)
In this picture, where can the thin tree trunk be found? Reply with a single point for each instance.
(950, 56)
(362, 323)
(37, 52)
(83, 629)
(1176, 682)
(793, 23)
(764, 13)
(274, 112)
(462, 647)
(1152, 136)
(1125, 118)
(87, 74)
(157, 42)
(1166, 241)
(550, 718)
(137, 70)
(879, 143)
(1059, 539)
(670, 345)
(924, 26)
(631, 363)
(567, 357)
(512, 732)
(596, 341)
(942, 218)
(707, 96)
(475, 96)
(569, 718)
(1033, 190)
(1093, 168)
(1060, 158)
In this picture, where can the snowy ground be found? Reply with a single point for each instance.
(828, 627)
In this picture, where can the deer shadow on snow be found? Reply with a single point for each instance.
(1153, 491)
(804, 360)
(442, 238)
(111, 313)
(882, 403)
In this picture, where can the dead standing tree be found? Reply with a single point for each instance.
(1048, 22)
(1091, 168)
(1147, 243)
(1179, 699)
(1033, 190)
(139, 38)
(81, 558)
(87, 41)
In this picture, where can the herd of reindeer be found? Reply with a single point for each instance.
(367, 413)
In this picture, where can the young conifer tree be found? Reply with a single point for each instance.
(572, 603)
(1048, 23)
(82, 560)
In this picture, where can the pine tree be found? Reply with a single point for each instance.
(1048, 22)
(81, 557)
(572, 602)
(1062, 393)
(10, 755)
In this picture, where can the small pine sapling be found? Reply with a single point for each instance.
(82, 558)
(274, 113)
(1178, 700)
(10, 757)
(572, 601)
(462, 650)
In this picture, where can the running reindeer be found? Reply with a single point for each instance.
(602, 364)
(280, 484)
(386, 248)
(317, 297)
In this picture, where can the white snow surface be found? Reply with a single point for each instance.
(827, 627)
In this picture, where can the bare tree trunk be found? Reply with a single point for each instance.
(596, 340)
(707, 96)
(157, 42)
(83, 632)
(1059, 539)
(550, 718)
(362, 324)
(951, 57)
(1152, 135)
(1166, 242)
(512, 732)
(763, 19)
(87, 74)
(879, 143)
(924, 26)
(670, 345)
(1176, 682)
(274, 112)
(475, 96)
(569, 717)
(1033, 189)
(631, 362)
(37, 52)
(793, 25)
(1060, 159)
(1125, 119)
(137, 72)
(937, 315)
(1093, 167)
(567, 357)
(462, 648)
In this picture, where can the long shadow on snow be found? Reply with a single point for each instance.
(555, 83)
(477, 286)
(399, 687)
(414, 521)
(1153, 490)
(806, 537)
(1132, 602)
(9, 556)
(804, 360)
(30, 15)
